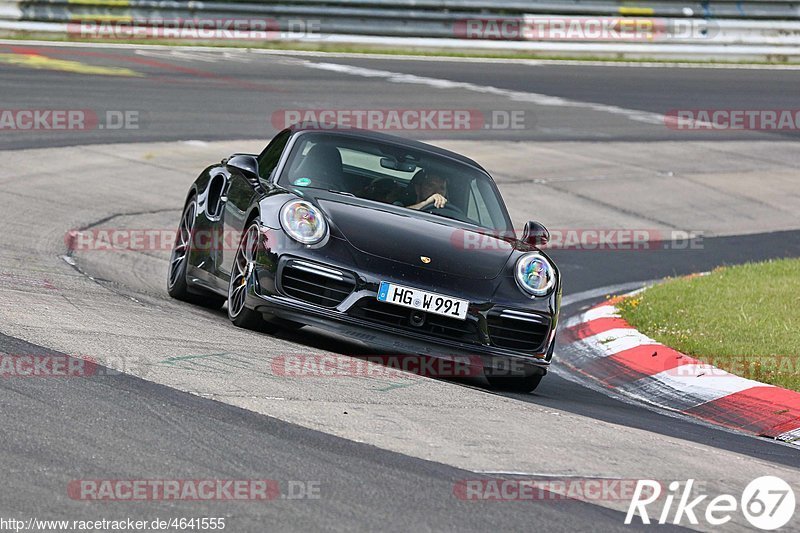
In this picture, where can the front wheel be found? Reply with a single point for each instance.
(241, 277)
(177, 286)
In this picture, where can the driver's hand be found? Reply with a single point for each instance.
(437, 200)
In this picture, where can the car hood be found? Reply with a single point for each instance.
(409, 238)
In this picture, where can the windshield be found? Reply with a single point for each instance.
(395, 174)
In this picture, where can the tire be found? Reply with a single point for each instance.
(526, 383)
(241, 277)
(177, 285)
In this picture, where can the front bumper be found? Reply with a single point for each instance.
(394, 340)
(488, 297)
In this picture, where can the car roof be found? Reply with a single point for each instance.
(378, 136)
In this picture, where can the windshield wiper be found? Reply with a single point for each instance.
(343, 192)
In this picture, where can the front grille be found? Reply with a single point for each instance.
(393, 315)
(316, 284)
(516, 330)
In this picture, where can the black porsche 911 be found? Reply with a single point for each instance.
(400, 245)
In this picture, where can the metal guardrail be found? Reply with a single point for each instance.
(777, 9)
(404, 10)
(723, 23)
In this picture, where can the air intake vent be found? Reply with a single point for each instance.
(400, 317)
(315, 283)
(518, 330)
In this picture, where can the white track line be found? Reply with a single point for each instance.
(517, 96)
(582, 296)
(603, 311)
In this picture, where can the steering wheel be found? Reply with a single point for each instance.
(449, 210)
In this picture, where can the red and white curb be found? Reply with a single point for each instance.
(610, 351)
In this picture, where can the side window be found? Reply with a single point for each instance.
(479, 207)
(269, 158)
(472, 207)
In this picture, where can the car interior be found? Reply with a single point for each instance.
(388, 174)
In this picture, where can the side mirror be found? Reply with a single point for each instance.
(535, 234)
(246, 164)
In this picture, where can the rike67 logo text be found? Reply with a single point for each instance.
(767, 503)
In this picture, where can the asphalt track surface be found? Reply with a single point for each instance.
(170, 88)
(123, 427)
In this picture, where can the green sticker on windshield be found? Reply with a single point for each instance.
(302, 182)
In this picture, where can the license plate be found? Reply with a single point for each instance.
(430, 302)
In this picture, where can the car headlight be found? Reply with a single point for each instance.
(535, 275)
(303, 222)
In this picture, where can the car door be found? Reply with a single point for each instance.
(241, 195)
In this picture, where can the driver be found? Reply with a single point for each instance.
(431, 189)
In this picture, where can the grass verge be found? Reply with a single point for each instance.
(743, 319)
